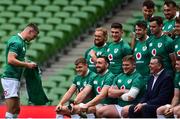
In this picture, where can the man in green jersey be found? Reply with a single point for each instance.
(177, 38)
(98, 49)
(140, 48)
(170, 15)
(161, 44)
(84, 75)
(99, 86)
(128, 87)
(117, 49)
(148, 10)
(15, 62)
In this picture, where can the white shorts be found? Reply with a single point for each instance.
(11, 87)
(119, 109)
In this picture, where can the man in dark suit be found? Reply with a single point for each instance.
(159, 91)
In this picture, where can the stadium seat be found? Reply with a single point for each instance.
(57, 79)
(93, 11)
(128, 29)
(15, 8)
(61, 3)
(37, 20)
(45, 27)
(6, 2)
(52, 8)
(33, 55)
(34, 9)
(138, 14)
(48, 84)
(2, 8)
(66, 84)
(24, 3)
(42, 3)
(8, 27)
(62, 15)
(44, 14)
(79, 3)
(25, 14)
(131, 21)
(17, 21)
(2, 20)
(2, 47)
(54, 21)
(65, 72)
(70, 9)
(7, 14)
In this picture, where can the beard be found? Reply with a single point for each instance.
(98, 44)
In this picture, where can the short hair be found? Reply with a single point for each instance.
(34, 26)
(141, 24)
(129, 58)
(104, 30)
(159, 59)
(169, 3)
(158, 19)
(149, 4)
(80, 60)
(105, 58)
(177, 19)
(117, 26)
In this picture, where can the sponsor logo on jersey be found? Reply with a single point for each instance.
(110, 57)
(98, 89)
(159, 45)
(115, 50)
(178, 52)
(153, 52)
(91, 61)
(144, 48)
(122, 87)
(138, 56)
(129, 81)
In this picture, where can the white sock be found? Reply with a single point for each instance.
(75, 116)
(9, 115)
(175, 116)
(59, 116)
(90, 116)
(160, 116)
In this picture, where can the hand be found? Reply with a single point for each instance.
(59, 107)
(31, 65)
(138, 107)
(92, 53)
(168, 112)
(83, 107)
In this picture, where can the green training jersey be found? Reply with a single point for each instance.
(116, 52)
(177, 46)
(101, 81)
(18, 46)
(168, 25)
(127, 81)
(100, 51)
(177, 81)
(162, 46)
(81, 81)
(142, 57)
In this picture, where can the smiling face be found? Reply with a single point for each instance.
(154, 66)
(81, 69)
(169, 11)
(140, 32)
(128, 67)
(101, 65)
(116, 34)
(147, 12)
(155, 28)
(99, 38)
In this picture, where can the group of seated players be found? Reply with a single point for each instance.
(140, 79)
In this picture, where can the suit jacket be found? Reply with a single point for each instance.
(162, 92)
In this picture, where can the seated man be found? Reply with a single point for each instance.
(99, 86)
(79, 82)
(159, 91)
(128, 87)
(167, 110)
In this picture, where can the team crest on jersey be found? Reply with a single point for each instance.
(129, 81)
(153, 52)
(95, 82)
(176, 46)
(144, 48)
(91, 61)
(110, 57)
(119, 80)
(78, 83)
(138, 56)
(135, 49)
(115, 50)
(150, 45)
(24, 49)
(159, 45)
(122, 87)
(178, 52)
(108, 50)
(169, 26)
(98, 89)
(99, 53)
